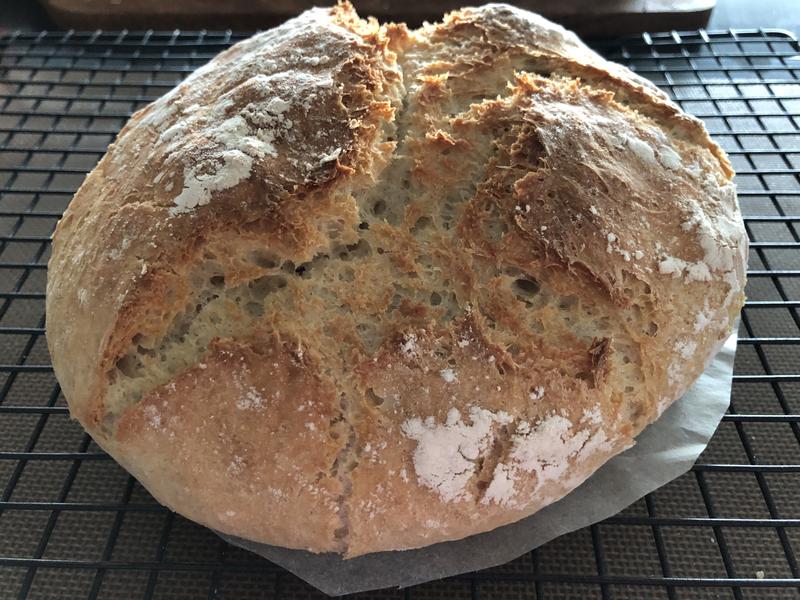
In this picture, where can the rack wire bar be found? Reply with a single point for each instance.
(73, 524)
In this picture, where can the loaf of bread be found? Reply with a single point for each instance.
(352, 287)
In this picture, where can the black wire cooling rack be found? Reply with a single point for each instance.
(73, 524)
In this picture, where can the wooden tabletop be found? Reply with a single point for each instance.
(26, 14)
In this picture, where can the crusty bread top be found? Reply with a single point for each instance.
(351, 287)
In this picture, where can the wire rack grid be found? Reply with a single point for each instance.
(73, 524)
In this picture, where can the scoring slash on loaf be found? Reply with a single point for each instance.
(352, 287)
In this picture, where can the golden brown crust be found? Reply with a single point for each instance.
(126, 203)
(401, 287)
(279, 427)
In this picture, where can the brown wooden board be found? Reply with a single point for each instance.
(587, 17)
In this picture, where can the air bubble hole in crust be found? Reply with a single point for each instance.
(129, 365)
(263, 259)
(263, 286)
(373, 398)
(422, 224)
(526, 287)
(361, 249)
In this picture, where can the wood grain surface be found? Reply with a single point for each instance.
(587, 17)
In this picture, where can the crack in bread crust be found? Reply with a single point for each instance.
(416, 259)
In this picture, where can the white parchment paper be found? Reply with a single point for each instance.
(664, 451)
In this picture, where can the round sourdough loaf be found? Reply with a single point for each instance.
(352, 287)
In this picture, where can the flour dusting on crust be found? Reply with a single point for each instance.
(724, 245)
(445, 457)
(229, 142)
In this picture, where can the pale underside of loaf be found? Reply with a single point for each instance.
(356, 288)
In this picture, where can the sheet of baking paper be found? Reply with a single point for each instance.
(665, 450)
